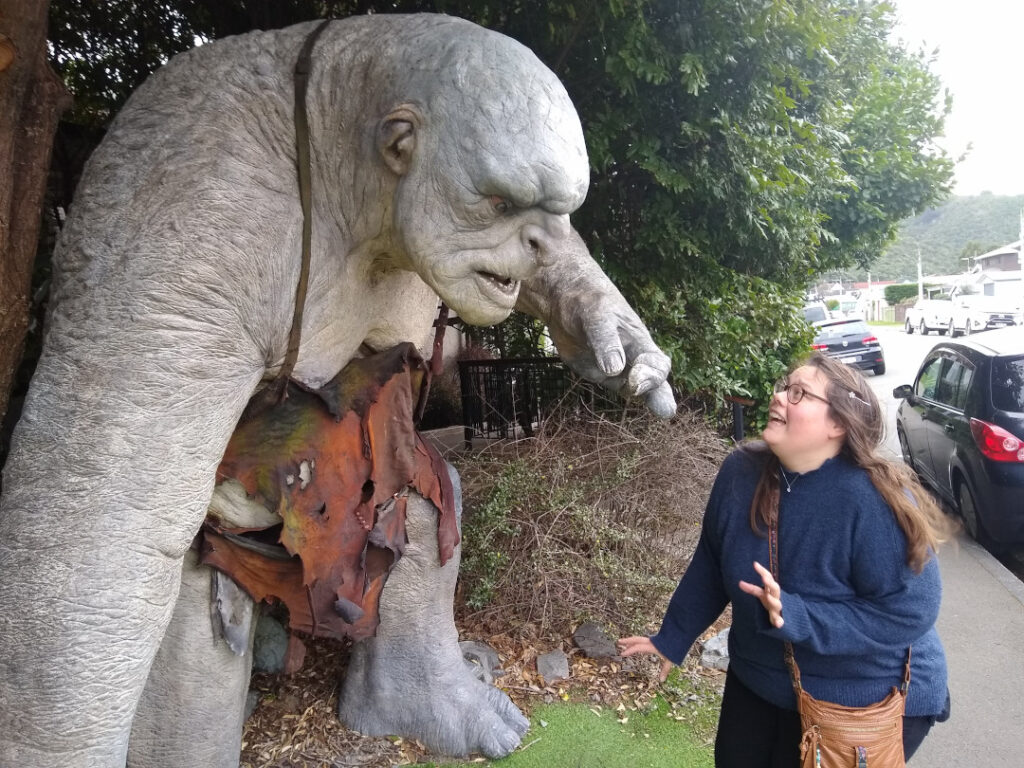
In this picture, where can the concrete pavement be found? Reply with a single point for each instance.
(981, 624)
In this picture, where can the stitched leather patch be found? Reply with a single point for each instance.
(334, 465)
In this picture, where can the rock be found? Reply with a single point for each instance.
(716, 651)
(594, 641)
(481, 659)
(633, 664)
(553, 666)
(269, 645)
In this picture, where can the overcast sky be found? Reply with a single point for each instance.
(981, 61)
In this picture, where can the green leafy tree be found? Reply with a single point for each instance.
(891, 108)
(739, 148)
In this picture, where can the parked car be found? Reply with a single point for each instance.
(852, 342)
(972, 314)
(850, 306)
(928, 315)
(816, 312)
(961, 428)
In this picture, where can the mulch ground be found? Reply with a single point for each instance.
(295, 724)
(652, 477)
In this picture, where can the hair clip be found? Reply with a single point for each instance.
(853, 396)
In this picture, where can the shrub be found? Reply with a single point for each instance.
(593, 518)
(895, 294)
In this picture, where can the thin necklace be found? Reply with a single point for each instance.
(789, 485)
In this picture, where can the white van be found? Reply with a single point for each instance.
(929, 315)
(973, 313)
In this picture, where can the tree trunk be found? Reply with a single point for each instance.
(31, 101)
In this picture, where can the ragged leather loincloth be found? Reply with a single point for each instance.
(334, 466)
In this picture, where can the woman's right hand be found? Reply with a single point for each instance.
(631, 645)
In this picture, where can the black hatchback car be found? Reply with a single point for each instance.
(851, 342)
(961, 427)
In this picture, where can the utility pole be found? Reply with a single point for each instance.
(869, 301)
(920, 277)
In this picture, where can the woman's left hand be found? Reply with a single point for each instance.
(770, 595)
(629, 645)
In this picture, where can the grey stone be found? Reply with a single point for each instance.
(594, 641)
(716, 651)
(481, 659)
(269, 645)
(553, 666)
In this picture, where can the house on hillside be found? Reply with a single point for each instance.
(1006, 258)
(998, 272)
(997, 282)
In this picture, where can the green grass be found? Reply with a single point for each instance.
(676, 731)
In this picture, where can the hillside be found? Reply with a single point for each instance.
(979, 222)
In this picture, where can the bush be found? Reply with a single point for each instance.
(895, 294)
(592, 519)
(735, 347)
(444, 401)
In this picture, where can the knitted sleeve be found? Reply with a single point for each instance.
(700, 597)
(889, 605)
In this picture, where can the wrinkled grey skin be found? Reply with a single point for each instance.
(410, 678)
(442, 154)
(192, 708)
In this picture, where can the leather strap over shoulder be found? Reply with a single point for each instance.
(303, 67)
(277, 390)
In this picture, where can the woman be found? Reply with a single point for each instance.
(858, 578)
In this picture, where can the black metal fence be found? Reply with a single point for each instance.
(509, 398)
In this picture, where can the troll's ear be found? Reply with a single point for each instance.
(396, 138)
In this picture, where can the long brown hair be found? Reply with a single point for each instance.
(853, 405)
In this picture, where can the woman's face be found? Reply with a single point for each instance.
(802, 434)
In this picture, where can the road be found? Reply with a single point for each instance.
(903, 356)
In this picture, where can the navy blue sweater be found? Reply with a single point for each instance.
(850, 603)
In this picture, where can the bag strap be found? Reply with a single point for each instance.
(794, 670)
(773, 558)
(434, 368)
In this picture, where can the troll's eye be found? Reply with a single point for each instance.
(500, 205)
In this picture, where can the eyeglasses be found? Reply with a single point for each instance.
(796, 392)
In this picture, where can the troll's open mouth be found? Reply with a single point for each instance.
(503, 284)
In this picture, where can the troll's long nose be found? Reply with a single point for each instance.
(547, 239)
